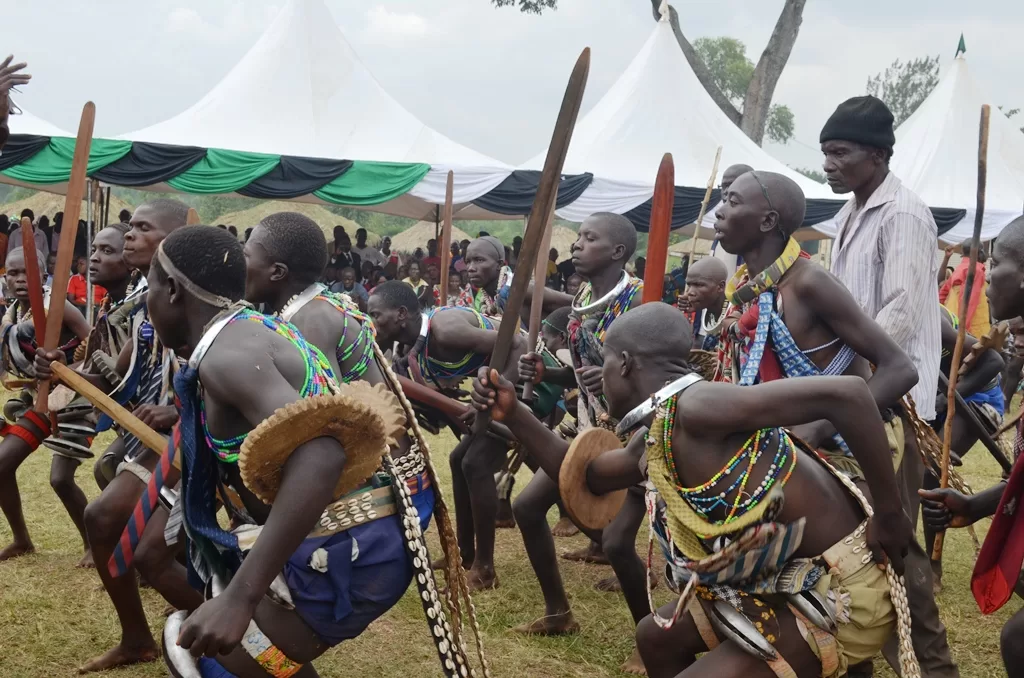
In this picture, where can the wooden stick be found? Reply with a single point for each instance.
(66, 246)
(192, 218)
(125, 419)
(543, 205)
(659, 230)
(34, 279)
(1009, 423)
(446, 237)
(540, 274)
(704, 205)
(954, 369)
(979, 428)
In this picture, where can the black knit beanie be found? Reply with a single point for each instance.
(864, 120)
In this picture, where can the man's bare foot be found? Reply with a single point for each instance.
(121, 656)
(550, 625)
(505, 518)
(15, 550)
(591, 554)
(634, 665)
(565, 528)
(481, 580)
(87, 562)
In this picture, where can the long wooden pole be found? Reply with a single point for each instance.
(540, 274)
(954, 369)
(543, 205)
(704, 205)
(104, 403)
(659, 230)
(34, 278)
(446, 237)
(66, 245)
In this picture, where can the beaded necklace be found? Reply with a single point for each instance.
(441, 370)
(704, 498)
(319, 378)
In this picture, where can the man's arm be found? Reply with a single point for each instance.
(829, 299)
(985, 369)
(254, 387)
(720, 409)
(75, 321)
(456, 334)
(908, 250)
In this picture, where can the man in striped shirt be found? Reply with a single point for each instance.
(884, 253)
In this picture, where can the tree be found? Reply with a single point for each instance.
(528, 6)
(731, 71)
(812, 174)
(904, 86)
(756, 110)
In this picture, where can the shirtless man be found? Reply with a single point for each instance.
(27, 428)
(285, 256)
(241, 372)
(980, 389)
(108, 270)
(106, 517)
(816, 326)
(947, 508)
(694, 432)
(705, 298)
(443, 349)
(606, 242)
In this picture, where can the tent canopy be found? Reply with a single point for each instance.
(656, 106)
(936, 156)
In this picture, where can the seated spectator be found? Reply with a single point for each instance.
(414, 280)
(367, 253)
(78, 286)
(353, 289)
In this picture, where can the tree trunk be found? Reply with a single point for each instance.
(769, 68)
(757, 104)
(697, 64)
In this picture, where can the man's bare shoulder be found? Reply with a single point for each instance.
(241, 354)
(808, 278)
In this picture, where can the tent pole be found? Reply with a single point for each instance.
(445, 244)
(106, 212)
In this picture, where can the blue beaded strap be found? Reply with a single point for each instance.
(468, 365)
(364, 340)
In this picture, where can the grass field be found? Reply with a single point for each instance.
(53, 617)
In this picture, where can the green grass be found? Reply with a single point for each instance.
(54, 617)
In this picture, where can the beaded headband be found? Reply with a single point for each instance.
(195, 290)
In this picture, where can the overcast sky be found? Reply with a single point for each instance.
(490, 79)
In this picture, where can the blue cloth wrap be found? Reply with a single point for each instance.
(339, 604)
(993, 397)
(423, 500)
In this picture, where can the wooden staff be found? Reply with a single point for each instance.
(658, 232)
(104, 403)
(1009, 423)
(34, 279)
(954, 369)
(540, 274)
(446, 237)
(192, 218)
(66, 246)
(543, 205)
(704, 204)
(979, 428)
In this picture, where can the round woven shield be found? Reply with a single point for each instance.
(348, 417)
(595, 511)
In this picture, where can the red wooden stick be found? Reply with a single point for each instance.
(35, 280)
(661, 226)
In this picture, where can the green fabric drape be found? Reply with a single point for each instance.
(224, 171)
(52, 165)
(373, 183)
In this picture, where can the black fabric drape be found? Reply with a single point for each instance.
(147, 164)
(947, 217)
(295, 176)
(21, 147)
(515, 195)
(684, 210)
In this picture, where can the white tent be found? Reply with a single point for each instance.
(936, 156)
(26, 123)
(656, 106)
(301, 90)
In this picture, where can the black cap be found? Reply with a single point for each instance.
(864, 120)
